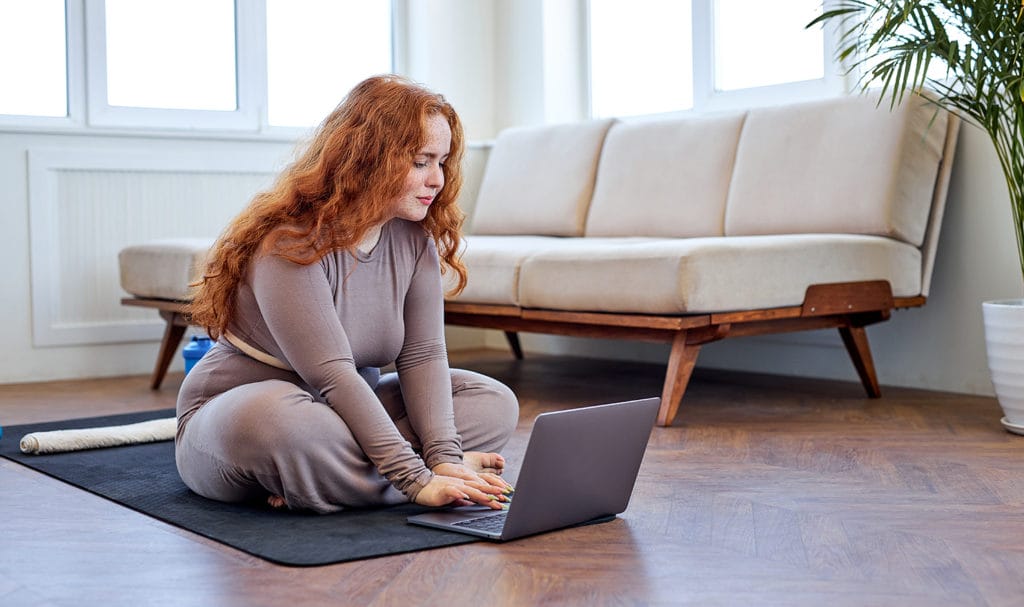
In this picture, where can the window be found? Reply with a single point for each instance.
(653, 56)
(227, 65)
(317, 51)
(640, 54)
(173, 64)
(36, 83)
(178, 55)
(765, 43)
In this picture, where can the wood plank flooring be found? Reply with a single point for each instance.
(766, 491)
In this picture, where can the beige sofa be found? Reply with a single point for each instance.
(688, 230)
(682, 230)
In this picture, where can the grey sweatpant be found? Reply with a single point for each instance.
(274, 437)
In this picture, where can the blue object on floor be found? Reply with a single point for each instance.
(195, 349)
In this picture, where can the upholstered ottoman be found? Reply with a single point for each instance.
(157, 275)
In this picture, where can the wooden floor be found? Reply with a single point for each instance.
(767, 491)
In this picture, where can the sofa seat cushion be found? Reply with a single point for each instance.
(701, 275)
(163, 269)
(494, 263)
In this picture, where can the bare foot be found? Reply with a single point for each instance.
(276, 502)
(479, 462)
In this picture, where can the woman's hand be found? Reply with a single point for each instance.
(481, 470)
(443, 490)
(479, 461)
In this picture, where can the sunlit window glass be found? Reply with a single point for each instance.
(641, 57)
(319, 49)
(172, 54)
(33, 63)
(761, 43)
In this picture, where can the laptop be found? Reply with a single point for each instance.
(580, 467)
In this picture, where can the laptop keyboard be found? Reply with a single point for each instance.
(491, 523)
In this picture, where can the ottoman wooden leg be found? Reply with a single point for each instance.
(173, 332)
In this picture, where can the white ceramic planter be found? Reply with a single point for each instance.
(1004, 342)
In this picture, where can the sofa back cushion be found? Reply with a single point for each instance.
(539, 180)
(843, 165)
(666, 177)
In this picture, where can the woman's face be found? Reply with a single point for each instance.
(425, 178)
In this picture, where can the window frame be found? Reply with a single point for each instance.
(89, 113)
(74, 61)
(244, 117)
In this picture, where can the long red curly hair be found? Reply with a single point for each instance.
(344, 182)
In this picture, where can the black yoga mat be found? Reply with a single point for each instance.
(144, 478)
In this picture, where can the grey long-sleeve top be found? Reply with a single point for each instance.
(329, 318)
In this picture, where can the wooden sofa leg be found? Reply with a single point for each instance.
(680, 367)
(513, 342)
(856, 341)
(173, 333)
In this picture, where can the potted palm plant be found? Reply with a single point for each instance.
(967, 56)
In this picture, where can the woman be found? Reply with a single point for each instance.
(330, 275)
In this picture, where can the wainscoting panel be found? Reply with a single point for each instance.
(85, 206)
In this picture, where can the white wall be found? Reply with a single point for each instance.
(540, 60)
(69, 203)
(450, 49)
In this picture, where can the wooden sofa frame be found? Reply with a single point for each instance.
(849, 307)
